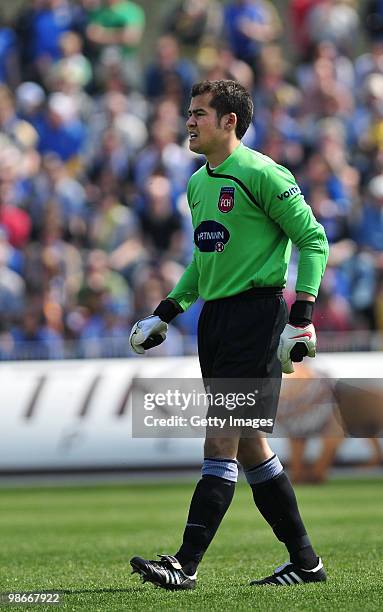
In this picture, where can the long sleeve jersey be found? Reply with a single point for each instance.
(247, 212)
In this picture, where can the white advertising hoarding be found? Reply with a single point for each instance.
(77, 414)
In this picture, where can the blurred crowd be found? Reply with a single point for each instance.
(94, 224)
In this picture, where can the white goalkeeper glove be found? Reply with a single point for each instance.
(294, 344)
(298, 339)
(147, 333)
(151, 331)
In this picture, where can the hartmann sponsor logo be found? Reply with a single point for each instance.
(211, 236)
(289, 192)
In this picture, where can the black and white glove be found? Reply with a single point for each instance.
(151, 331)
(147, 333)
(298, 339)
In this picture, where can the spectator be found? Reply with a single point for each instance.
(30, 99)
(104, 333)
(110, 157)
(53, 266)
(41, 27)
(361, 275)
(165, 154)
(368, 226)
(344, 72)
(299, 13)
(336, 21)
(102, 283)
(370, 62)
(169, 75)
(321, 176)
(373, 19)
(61, 131)
(9, 57)
(119, 24)
(249, 25)
(10, 124)
(73, 59)
(167, 111)
(332, 312)
(159, 222)
(326, 96)
(193, 21)
(12, 285)
(58, 186)
(378, 304)
(34, 339)
(112, 224)
(14, 221)
(219, 62)
(117, 114)
(73, 71)
(125, 121)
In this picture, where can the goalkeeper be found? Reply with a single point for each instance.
(247, 211)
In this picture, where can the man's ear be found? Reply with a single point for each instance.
(230, 121)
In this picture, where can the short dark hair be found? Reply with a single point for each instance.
(228, 97)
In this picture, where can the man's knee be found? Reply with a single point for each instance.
(252, 451)
(221, 448)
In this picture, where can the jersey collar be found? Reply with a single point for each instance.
(219, 169)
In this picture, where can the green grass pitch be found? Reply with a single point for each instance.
(79, 539)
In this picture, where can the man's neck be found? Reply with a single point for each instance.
(217, 158)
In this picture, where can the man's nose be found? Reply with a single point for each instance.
(191, 121)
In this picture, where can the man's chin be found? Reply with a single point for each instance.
(194, 147)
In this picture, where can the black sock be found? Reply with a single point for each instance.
(276, 501)
(211, 499)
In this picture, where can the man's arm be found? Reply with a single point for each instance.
(151, 331)
(130, 36)
(301, 295)
(185, 293)
(128, 33)
(297, 221)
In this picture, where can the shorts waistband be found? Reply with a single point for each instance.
(249, 294)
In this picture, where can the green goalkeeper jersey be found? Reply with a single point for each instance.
(246, 214)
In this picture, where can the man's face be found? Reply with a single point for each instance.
(206, 135)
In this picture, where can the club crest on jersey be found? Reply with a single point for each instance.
(226, 199)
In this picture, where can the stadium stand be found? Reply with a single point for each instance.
(94, 224)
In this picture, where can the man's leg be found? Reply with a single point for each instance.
(275, 498)
(210, 501)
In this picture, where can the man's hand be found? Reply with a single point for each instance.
(151, 331)
(294, 344)
(147, 333)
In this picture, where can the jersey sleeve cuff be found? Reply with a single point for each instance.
(167, 310)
